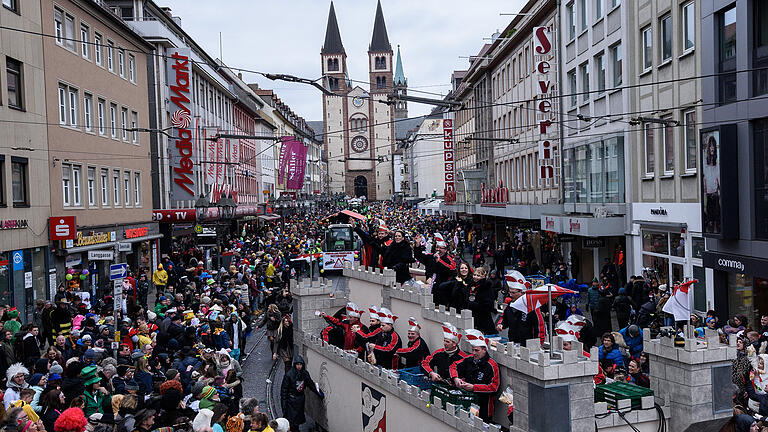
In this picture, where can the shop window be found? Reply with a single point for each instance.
(698, 247)
(656, 267)
(700, 289)
(656, 242)
(677, 245)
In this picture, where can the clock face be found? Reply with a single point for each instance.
(357, 101)
(359, 144)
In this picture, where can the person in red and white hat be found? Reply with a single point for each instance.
(569, 331)
(522, 326)
(478, 373)
(351, 324)
(440, 267)
(417, 350)
(374, 243)
(383, 346)
(437, 365)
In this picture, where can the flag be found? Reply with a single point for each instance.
(536, 297)
(679, 305)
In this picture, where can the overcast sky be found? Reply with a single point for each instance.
(285, 36)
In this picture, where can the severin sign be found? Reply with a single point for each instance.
(182, 159)
(542, 48)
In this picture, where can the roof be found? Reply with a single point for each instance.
(403, 127)
(399, 75)
(332, 43)
(319, 127)
(380, 40)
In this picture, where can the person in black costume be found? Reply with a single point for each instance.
(416, 350)
(292, 392)
(440, 267)
(398, 256)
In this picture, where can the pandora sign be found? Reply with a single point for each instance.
(183, 152)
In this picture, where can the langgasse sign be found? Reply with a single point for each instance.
(183, 153)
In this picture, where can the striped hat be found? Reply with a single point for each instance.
(208, 392)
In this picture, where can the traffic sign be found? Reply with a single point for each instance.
(198, 228)
(124, 247)
(118, 271)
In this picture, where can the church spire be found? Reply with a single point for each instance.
(332, 43)
(399, 75)
(380, 40)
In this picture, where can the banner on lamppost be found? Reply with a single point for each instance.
(296, 166)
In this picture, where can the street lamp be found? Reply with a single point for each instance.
(201, 208)
(226, 207)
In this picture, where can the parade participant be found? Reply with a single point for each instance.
(61, 318)
(160, 279)
(477, 373)
(383, 345)
(459, 287)
(522, 326)
(398, 256)
(292, 395)
(16, 381)
(417, 350)
(440, 265)
(569, 331)
(479, 300)
(374, 244)
(437, 365)
(351, 324)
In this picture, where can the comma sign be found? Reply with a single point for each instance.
(182, 165)
(542, 47)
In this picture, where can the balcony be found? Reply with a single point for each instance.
(155, 30)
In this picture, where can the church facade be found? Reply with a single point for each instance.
(359, 135)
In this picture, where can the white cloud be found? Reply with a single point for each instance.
(286, 37)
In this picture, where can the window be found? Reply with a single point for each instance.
(132, 68)
(727, 36)
(113, 120)
(583, 22)
(584, 72)
(127, 188)
(62, 105)
(85, 39)
(647, 49)
(101, 116)
(111, 56)
(617, 64)
(760, 142)
(3, 203)
(137, 189)
(69, 32)
(649, 150)
(73, 105)
(134, 124)
(12, 5)
(600, 70)
(669, 146)
(124, 124)
(104, 187)
(760, 52)
(116, 186)
(598, 9)
(66, 184)
(689, 117)
(58, 24)
(91, 186)
(19, 181)
(121, 62)
(76, 186)
(665, 26)
(615, 3)
(689, 27)
(13, 69)
(97, 48)
(570, 12)
(87, 111)
(572, 87)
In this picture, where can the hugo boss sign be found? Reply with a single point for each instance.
(183, 154)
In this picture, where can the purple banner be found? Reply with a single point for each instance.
(288, 142)
(296, 165)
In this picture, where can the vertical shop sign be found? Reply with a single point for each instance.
(448, 156)
(183, 153)
(542, 48)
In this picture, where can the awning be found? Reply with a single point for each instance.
(268, 217)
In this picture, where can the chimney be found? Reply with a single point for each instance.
(167, 10)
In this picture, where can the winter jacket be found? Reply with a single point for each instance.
(640, 379)
(442, 269)
(459, 291)
(522, 326)
(349, 334)
(635, 344)
(97, 402)
(440, 362)
(398, 257)
(385, 346)
(593, 296)
(374, 248)
(480, 302)
(484, 374)
(295, 383)
(611, 359)
(412, 355)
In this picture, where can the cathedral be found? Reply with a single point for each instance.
(359, 130)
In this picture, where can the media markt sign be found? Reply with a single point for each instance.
(183, 153)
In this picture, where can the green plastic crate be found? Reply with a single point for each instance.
(454, 395)
(615, 391)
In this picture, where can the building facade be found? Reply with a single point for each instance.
(24, 184)
(359, 129)
(732, 147)
(100, 172)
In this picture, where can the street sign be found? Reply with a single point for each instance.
(101, 255)
(124, 247)
(117, 287)
(198, 228)
(118, 271)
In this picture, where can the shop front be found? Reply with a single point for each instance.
(740, 285)
(23, 264)
(587, 241)
(83, 264)
(667, 245)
